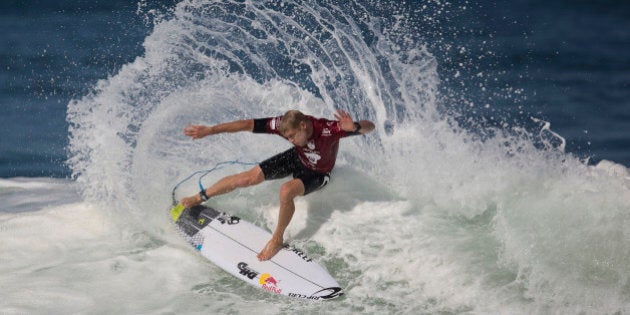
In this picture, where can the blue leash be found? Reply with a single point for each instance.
(218, 166)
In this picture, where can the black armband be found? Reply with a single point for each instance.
(260, 125)
(356, 131)
(203, 195)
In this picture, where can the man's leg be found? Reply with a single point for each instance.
(248, 178)
(252, 177)
(288, 192)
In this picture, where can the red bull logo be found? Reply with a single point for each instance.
(269, 283)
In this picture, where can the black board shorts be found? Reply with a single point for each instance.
(287, 163)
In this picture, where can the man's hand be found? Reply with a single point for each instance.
(345, 121)
(191, 201)
(197, 131)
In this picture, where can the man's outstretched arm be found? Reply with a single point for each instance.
(200, 131)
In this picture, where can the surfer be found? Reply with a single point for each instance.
(310, 160)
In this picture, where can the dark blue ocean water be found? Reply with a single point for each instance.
(567, 62)
(52, 52)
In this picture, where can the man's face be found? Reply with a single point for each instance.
(297, 137)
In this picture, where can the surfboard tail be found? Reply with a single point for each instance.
(176, 212)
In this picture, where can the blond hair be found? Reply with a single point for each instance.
(291, 120)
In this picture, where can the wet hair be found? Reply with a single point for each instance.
(291, 120)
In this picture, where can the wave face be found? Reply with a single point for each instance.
(422, 215)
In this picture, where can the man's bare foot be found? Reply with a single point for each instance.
(271, 249)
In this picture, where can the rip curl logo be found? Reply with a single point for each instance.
(323, 294)
(269, 283)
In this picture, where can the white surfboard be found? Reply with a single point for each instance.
(232, 244)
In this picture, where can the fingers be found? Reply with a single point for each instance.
(193, 131)
(342, 114)
(189, 130)
(191, 201)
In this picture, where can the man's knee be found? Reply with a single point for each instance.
(291, 189)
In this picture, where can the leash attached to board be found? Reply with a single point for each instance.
(217, 166)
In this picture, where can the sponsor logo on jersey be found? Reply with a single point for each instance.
(313, 157)
(275, 123)
(311, 145)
